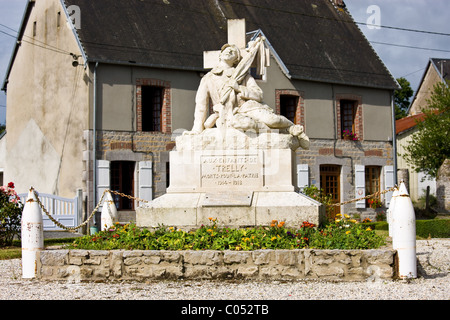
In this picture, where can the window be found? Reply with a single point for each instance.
(152, 100)
(348, 113)
(330, 183)
(122, 180)
(153, 106)
(372, 177)
(58, 19)
(288, 107)
(290, 103)
(1, 178)
(34, 28)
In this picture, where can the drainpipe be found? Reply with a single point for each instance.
(394, 138)
(94, 139)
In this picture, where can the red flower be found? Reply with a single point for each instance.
(11, 185)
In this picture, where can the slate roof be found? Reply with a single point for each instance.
(442, 67)
(316, 40)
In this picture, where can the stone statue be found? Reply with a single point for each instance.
(238, 163)
(237, 98)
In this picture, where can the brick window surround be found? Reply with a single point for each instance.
(358, 116)
(300, 111)
(166, 125)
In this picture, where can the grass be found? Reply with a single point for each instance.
(10, 253)
(15, 251)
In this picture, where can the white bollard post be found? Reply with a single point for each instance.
(109, 212)
(404, 234)
(32, 235)
(390, 212)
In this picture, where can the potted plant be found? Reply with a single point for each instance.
(374, 203)
(348, 135)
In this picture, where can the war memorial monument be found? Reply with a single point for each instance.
(237, 164)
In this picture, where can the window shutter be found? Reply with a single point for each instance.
(146, 180)
(103, 178)
(302, 176)
(388, 183)
(360, 186)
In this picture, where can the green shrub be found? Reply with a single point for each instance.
(343, 234)
(380, 225)
(320, 196)
(436, 228)
(346, 234)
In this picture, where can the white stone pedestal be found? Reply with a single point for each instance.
(239, 178)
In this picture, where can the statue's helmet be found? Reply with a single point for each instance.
(235, 48)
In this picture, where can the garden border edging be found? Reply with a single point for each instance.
(143, 265)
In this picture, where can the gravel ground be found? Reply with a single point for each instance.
(433, 283)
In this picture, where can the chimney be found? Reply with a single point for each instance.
(338, 3)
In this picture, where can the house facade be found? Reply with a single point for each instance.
(96, 90)
(436, 71)
(416, 182)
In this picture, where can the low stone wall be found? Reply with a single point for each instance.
(137, 265)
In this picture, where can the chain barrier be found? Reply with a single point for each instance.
(72, 229)
(127, 196)
(376, 194)
(56, 222)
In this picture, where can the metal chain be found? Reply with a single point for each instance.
(127, 196)
(366, 197)
(70, 229)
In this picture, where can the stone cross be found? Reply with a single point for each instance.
(236, 36)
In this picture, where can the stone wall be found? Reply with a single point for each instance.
(346, 154)
(443, 187)
(129, 146)
(305, 264)
(139, 146)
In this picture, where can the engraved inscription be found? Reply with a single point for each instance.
(231, 171)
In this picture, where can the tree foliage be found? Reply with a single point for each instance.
(401, 98)
(430, 144)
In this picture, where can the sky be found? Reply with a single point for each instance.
(405, 53)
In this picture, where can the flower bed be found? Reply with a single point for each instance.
(340, 234)
(275, 252)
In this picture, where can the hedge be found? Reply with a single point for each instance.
(436, 228)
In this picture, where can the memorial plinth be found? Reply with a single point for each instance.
(242, 179)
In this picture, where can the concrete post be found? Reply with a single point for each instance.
(109, 212)
(404, 234)
(32, 235)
